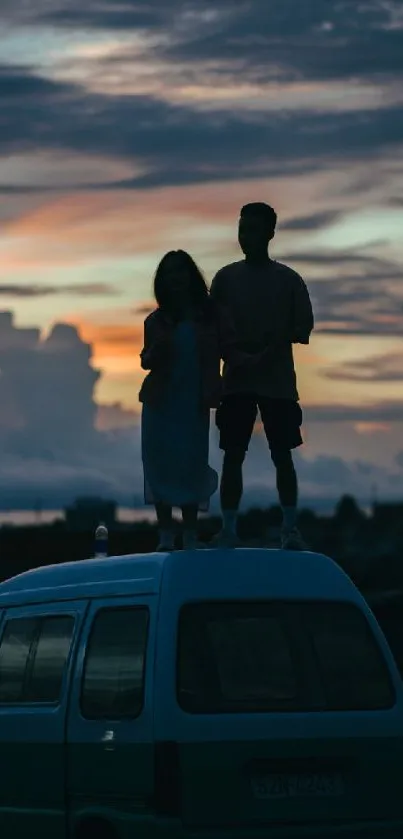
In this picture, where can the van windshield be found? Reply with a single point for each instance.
(258, 657)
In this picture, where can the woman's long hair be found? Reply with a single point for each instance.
(198, 288)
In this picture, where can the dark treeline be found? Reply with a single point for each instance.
(369, 546)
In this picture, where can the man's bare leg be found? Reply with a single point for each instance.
(231, 489)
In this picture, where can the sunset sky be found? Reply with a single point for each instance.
(130, 127)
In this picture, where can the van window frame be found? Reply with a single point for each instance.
(302, 653)
(133, 607)
(39, 618)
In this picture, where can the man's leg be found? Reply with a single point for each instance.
(282, 423)
(235, 420)
(231, 489)
(287, 486)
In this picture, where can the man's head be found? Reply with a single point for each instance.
(257, 225)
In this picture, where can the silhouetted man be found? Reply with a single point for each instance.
(271, 310)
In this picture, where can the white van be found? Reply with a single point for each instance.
(208, 694)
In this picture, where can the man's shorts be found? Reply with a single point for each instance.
(281, 418)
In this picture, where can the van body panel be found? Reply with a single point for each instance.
(32, 749)
(138, 574)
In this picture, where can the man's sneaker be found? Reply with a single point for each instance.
(192, 543)
(166, 543)
(225, 539)
(291, 540)
(165, 547)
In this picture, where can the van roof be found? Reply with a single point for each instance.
(244, 572)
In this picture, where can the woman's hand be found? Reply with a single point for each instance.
(157, 354)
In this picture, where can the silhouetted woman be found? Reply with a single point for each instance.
(184, 339)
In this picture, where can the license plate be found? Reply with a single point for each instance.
(306, 785)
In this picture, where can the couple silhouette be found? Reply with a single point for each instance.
(255, 311)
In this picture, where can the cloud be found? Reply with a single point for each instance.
(378, 368)
(55, 443)
(119, 338)
(48, 382)
(176, 144)
(320, 476)
(360, 293)
(76, 290)
(115, 416)
(337, 259)
(326, 39)
(50, 447)
(315, 221)
(109, 15)
(144, 309)
(382, 411)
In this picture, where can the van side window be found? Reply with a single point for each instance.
(33, 656)
(113, 678)
(51, 654)
(15, 648)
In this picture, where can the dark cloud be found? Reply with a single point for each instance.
(395, 201)
(179, 145)
(385, 411)
(256, 41)
(20, 82)
(368, 305)
(338, 260)
(379, 368)
(78, 290)
(361, 294)
(108, 14)
(144, 309)
(291, 40)
(325, 475)
(294, 41)
(312, 222)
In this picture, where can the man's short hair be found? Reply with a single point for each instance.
(264, 211)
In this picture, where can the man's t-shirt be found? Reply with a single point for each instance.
(269, 303)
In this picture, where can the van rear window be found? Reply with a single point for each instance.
(259, 657)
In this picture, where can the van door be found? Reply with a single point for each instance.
(36, 655)
(110, 725)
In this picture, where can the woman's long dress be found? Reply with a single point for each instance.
(175, 434)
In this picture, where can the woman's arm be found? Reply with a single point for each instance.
(157, 345)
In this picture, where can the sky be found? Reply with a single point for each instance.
(131, 127)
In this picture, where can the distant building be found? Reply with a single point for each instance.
(87, 512)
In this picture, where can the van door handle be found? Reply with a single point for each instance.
(108, 738)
